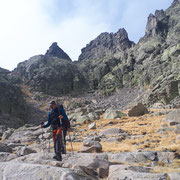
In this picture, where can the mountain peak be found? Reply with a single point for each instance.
(55, 51)
(106, 44)
(157, 24)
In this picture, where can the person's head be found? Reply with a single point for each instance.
(52, 105)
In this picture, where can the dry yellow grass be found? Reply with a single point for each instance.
(146, 125)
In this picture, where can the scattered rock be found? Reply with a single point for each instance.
(111, 131)
(92, 125)
(90, 146)
(22, 151)
(158, 106)
(138, 110)
(160, 113)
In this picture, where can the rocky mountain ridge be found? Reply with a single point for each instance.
(112, 62)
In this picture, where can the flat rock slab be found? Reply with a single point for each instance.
(17, 171)
(116, 173)
(142, 157)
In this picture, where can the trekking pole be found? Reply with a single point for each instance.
(71, 143)
(49, 149)
(42, 137)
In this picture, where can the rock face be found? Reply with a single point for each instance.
(12, 103)
(105, 45)
(111, 62)
(53, 73)
(153, 62)
(157, 24)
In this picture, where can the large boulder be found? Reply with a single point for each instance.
(4, 147)
(137, 110)
(113, 114)
(90, 146)
(173, 117)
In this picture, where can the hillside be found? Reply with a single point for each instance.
(121, 98)
(112, 62)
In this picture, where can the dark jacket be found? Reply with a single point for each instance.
(54, 121)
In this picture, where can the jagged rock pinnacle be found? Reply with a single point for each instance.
(56, 51)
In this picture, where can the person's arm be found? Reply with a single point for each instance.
(61, 111)
(48, 123)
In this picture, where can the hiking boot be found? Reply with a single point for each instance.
(63, 150)
(58, 158)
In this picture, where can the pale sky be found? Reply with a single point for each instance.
(28, 27)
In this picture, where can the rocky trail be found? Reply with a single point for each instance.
(116, 146)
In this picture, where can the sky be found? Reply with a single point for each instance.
(29, 27)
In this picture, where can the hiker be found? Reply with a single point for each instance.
(60, 124)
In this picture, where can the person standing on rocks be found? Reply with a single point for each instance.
(59, 122)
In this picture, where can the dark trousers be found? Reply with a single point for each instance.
(57, 138)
